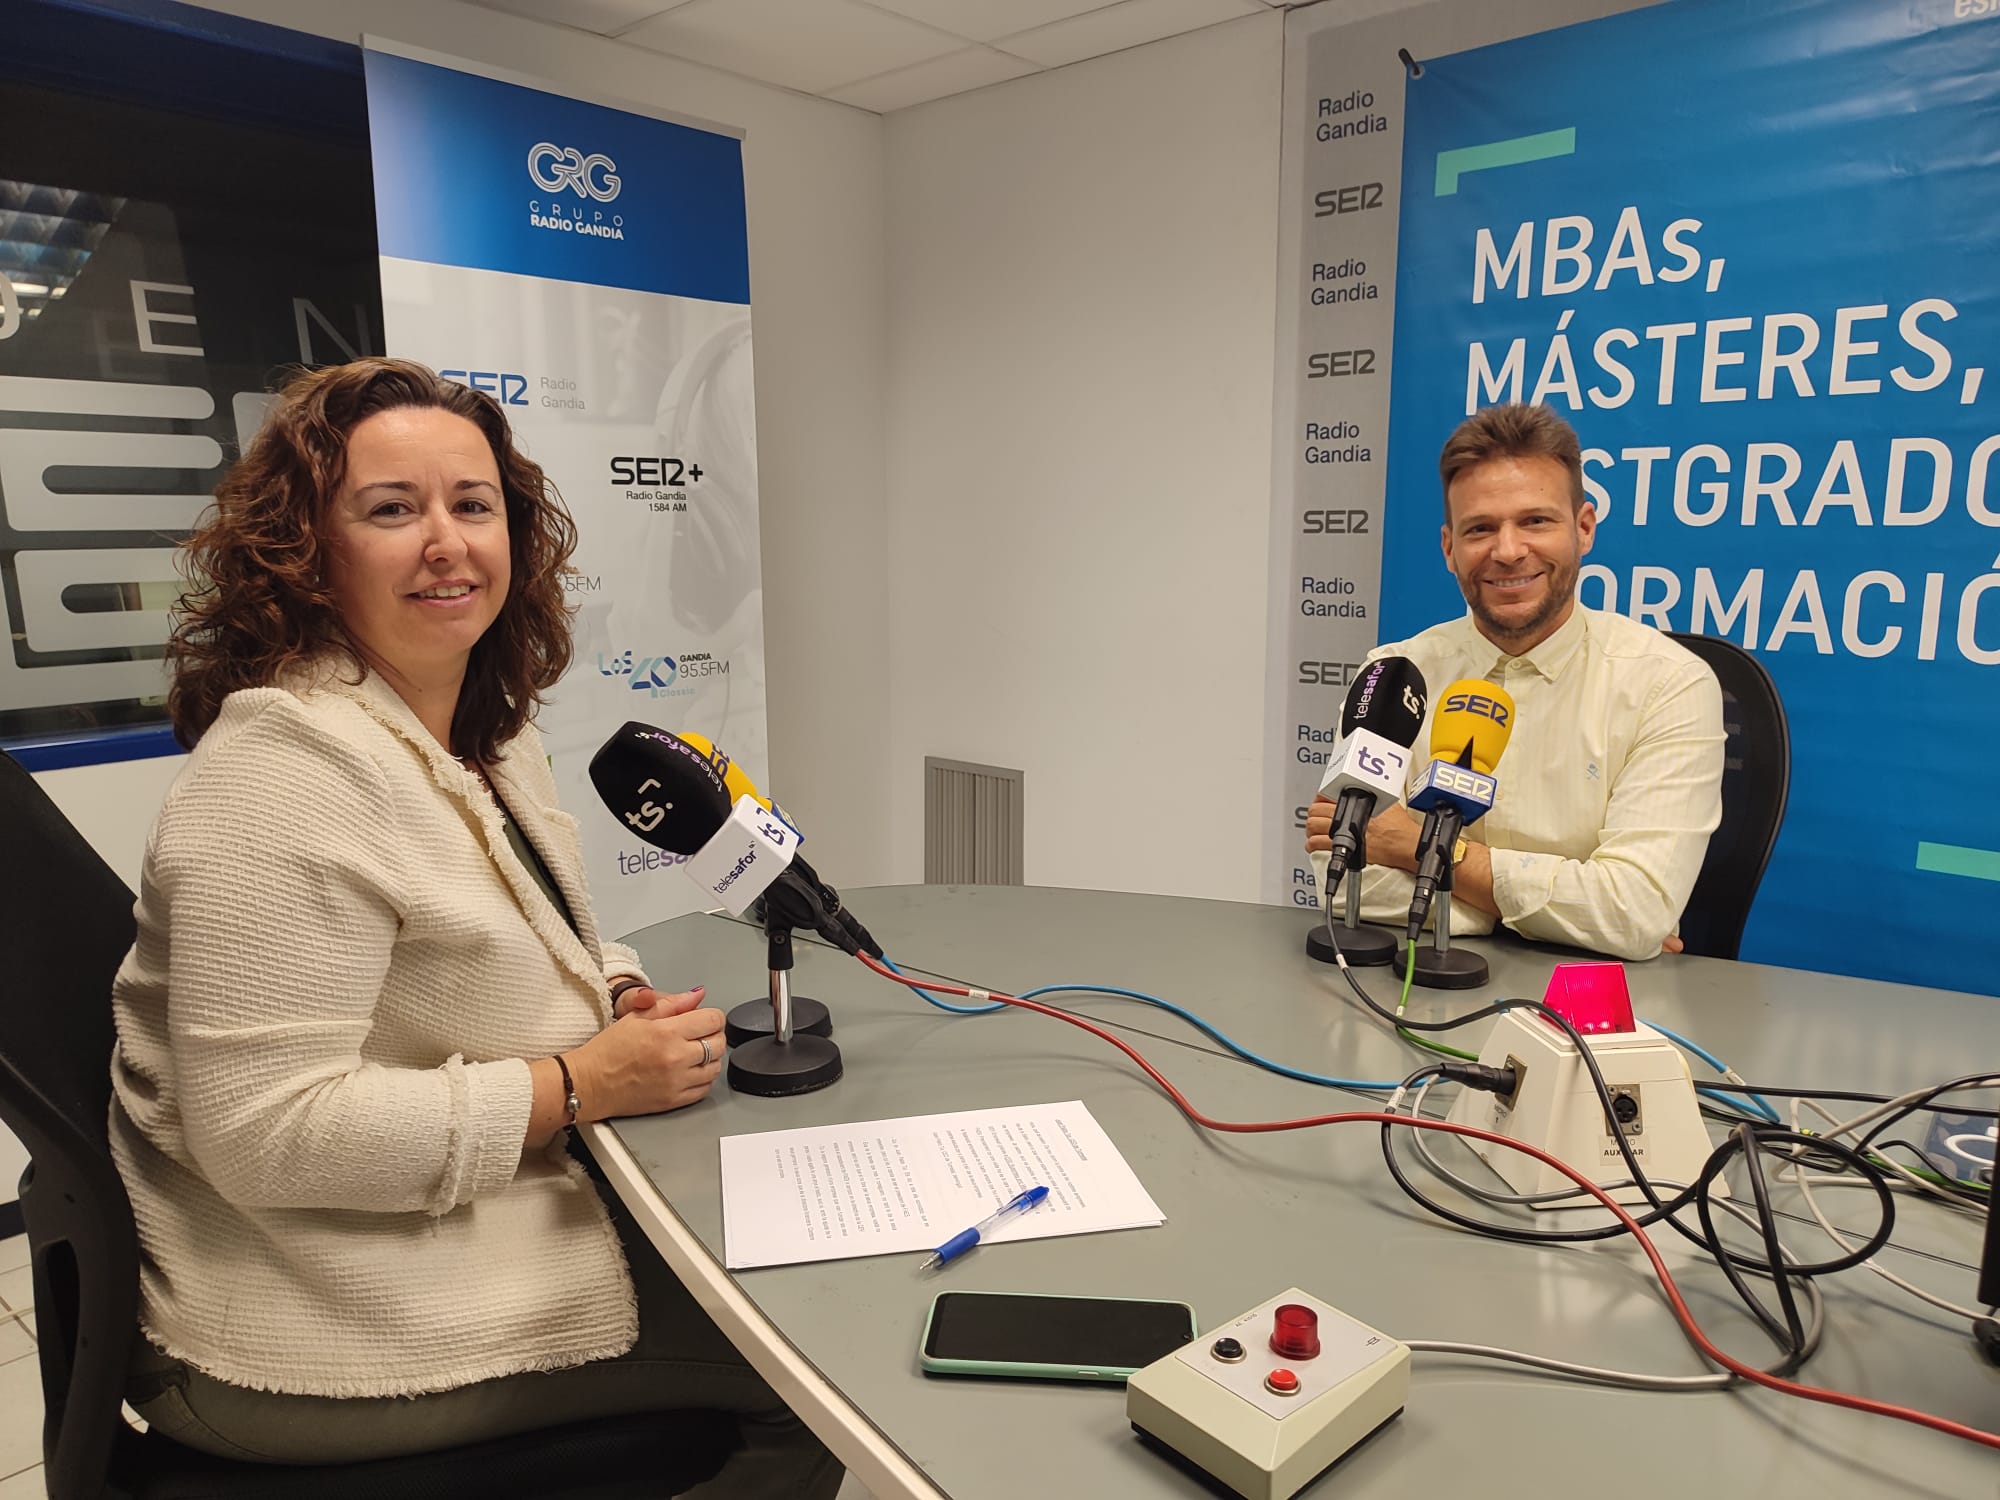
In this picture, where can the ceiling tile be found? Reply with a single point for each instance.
(812, 45)
(983, 20)
(1119, 26)
(954, 73)
(605, 17)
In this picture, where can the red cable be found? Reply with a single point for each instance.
(1415, 1122)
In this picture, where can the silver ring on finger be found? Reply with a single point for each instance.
(707, 1056)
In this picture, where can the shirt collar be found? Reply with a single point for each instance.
(1549, 658)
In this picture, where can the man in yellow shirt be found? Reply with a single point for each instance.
(1612, 781)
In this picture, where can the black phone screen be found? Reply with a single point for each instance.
(1088, 1332)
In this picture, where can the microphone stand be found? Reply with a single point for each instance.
(1441, 966)
(789, 1059)
(1362, 947)
(756, 1019)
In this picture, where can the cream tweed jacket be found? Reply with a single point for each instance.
(319, 1085)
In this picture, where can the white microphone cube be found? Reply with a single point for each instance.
(747, 853)
(1370, 761)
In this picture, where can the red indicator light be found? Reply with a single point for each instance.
(1296, 1334)
(1592, 997)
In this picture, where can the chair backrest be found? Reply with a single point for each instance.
(1756, 778)
(65, 925)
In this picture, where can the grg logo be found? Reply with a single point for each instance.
(555, 168)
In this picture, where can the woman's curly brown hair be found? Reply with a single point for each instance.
(259, 605)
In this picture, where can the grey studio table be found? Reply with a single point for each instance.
(1248, 1216)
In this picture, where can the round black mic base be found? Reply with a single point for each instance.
(772, 1069)
(752, 1019)
(1363, 946)
(1452, 969)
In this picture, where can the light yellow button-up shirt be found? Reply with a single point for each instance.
(1609, 787)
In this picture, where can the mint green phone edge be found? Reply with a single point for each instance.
(1110, 1374)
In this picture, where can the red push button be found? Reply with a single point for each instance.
(1282, 1383)
(1296, 1335)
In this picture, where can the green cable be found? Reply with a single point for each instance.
(1403, 1003)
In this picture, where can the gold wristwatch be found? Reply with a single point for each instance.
(1458, 851)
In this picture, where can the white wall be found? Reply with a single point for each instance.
(814, 184)
(1082, 295)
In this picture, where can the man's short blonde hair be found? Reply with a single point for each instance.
(1516, 430)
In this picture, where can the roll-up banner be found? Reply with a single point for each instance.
(1741, 245)
(588, 268)
(1337, 267)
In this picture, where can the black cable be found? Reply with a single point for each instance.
(1929, 1102)
(1965, 1192)
(1850, 1096)
(1790, 1334)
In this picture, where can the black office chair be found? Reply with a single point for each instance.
(1756, 778)
(65, 925)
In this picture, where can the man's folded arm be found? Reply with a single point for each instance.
(1627, 896)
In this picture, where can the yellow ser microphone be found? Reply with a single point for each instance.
(1474, 721)
(739, 784)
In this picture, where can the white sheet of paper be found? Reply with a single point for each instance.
(832, 1192)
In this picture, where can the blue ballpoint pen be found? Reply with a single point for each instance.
(958, 1244)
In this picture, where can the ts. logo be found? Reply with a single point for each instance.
(648, 817)
(555, 168)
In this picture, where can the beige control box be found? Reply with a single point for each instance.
(1267, 1420)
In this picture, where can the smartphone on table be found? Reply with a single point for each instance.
(1050, 1337)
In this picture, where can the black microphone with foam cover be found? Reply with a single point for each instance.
(669, 793)
(1389, 696)
(1378, 724)
(661, 788)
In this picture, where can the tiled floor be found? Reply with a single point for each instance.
(21, 1384)
(20, 1378)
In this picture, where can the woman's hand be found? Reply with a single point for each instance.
(657, 1003)
(663, 1053)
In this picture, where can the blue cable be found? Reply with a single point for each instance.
(957, 1010)
(1753, 1105)
(1749, 1106)
(1167, 1005)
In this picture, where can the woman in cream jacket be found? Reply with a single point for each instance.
(368, 994)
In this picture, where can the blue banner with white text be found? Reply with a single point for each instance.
(588, 267)
(1742, 246)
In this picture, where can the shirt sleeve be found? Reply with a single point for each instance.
(621, 962)
(283, 912)
(1627, 896)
